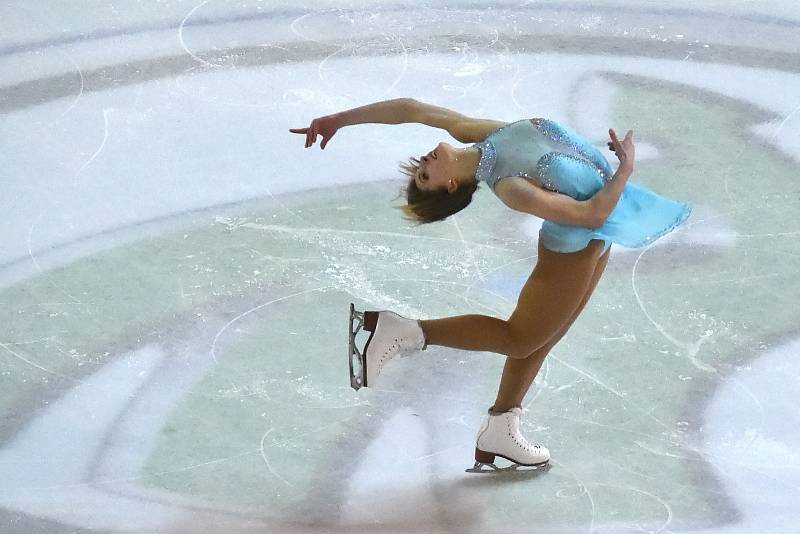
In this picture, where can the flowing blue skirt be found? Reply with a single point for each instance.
(579, 170)
(640, 217)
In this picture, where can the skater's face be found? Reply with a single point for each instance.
(437, 169)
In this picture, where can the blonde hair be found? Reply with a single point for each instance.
(423, 207)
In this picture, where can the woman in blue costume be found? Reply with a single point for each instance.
(535, 166)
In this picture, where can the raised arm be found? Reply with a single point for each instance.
(605, 200)
(521, 195)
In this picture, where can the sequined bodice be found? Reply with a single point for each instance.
(527, 147)
(559, 159)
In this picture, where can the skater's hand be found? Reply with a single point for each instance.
(625, 150)
(325, 126)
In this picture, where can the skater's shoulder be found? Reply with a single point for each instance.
(511, 130)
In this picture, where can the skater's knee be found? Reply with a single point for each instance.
(524, 346)
(526, 342)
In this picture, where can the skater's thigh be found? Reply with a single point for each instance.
(552, 295)
(595, 279)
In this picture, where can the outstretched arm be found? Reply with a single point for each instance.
(461, 127)
(396, 111)
(403, 110)
(400, 111)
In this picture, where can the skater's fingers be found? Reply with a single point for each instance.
(614, 141)
(298, 130)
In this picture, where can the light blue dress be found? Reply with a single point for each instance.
(558, 159)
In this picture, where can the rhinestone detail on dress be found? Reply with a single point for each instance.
(543, 167)
(556, 133)
(486, 161)
(489, 155)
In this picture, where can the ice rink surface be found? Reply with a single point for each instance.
(176, 269)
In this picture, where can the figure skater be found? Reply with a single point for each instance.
(534, 166)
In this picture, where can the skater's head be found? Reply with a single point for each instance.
(440, 183)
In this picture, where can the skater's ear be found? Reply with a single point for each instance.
(425, 207)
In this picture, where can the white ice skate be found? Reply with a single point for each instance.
(500, 436)
(391, 334)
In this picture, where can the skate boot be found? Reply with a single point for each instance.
(500, 436)
(391, 334)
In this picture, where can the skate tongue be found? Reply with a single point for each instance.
(513, 411)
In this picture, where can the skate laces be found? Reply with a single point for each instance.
(517, 424)
(388, 355)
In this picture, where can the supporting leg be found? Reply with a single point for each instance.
(551, 296)
(518, 374)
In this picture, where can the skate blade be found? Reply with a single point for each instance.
(513, 468)
(355, 359)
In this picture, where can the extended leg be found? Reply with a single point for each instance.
(469, 332)
(518, 374)
(547, 301)
(546, 305)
